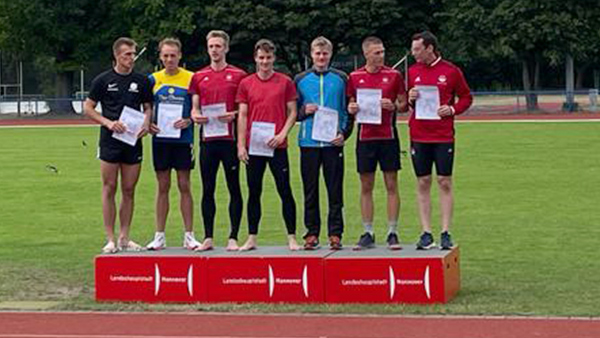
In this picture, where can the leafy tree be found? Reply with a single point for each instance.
(532, 32)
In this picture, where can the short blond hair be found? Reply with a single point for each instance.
(218, 34)
(321, 42)
(174, 42)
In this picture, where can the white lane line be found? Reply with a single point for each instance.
(302, 315)
(134, 336)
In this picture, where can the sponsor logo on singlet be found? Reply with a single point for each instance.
(133, 87)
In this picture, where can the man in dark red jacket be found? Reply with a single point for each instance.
(432, 135)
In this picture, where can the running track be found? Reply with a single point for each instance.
(213, 325)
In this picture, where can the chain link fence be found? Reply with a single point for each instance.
(19, 79)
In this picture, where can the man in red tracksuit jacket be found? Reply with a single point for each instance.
(432, 140)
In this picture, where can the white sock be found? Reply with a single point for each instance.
(368, 227)
(392, 227)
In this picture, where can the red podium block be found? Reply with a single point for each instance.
(268, 274)
(383, 276)
(275, 274)
(171, 276)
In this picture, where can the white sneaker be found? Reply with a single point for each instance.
(158, 243)
(190, 242)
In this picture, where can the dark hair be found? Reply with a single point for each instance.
(123, 41)
(370, 40)
(428, 39)
(265, 45)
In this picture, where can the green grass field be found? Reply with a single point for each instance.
(526, 218)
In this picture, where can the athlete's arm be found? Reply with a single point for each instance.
(401, 102)
(289, 123)
(241, 130)
(352, 106)
(196, 112)
(147, 119)
(463, 92)
(89, 109)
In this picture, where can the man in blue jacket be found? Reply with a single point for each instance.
(322, 87)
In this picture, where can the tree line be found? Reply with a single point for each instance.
(500, 44)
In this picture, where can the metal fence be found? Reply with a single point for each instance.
(548, 101)
(484, 103)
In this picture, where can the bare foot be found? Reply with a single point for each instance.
(250, 244)
(206, 245)
(232, 245)
(293, 244)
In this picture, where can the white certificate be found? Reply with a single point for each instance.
(369, 106)
(428, 103)
(167, 115)
(133, 121)
(325, 124)
(260, 134)
(215, 127)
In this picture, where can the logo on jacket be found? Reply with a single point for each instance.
(229, 77)
(418, 79)
(386, 80)
(442, 78)
(112, 87)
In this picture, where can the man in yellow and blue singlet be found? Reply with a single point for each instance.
(172, 149)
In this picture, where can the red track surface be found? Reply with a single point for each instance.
(170, 325)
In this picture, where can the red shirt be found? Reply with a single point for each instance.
(218, 87)
(451, 84)
(267, 100)
(391, 84)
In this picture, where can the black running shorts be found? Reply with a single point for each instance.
(424, 155)
(118, 152)
(172, 155)
(384, 152)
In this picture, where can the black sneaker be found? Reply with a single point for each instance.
(446, 241)
(311, 242)
(393, 242)
(425, 242)
(366, 241)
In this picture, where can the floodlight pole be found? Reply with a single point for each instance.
(570, 104)
(81, 84)
(1, 69)
(20, 80)
(20, 88)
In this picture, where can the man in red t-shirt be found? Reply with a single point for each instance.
(267, 104)
(377, 137)
(213, 86)
(432, 135)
